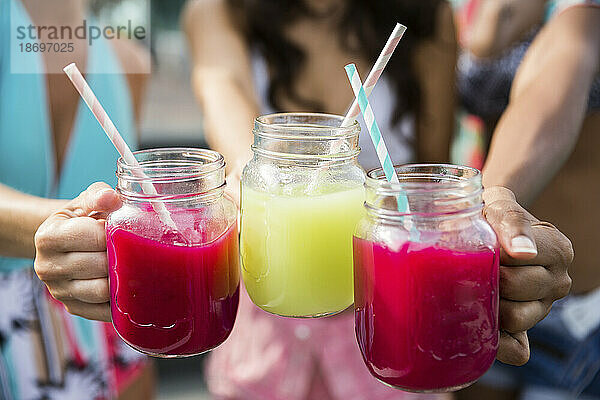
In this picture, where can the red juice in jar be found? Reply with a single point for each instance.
(426, 316)
(173, 295)
(173, 277)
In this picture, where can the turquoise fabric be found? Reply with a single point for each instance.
(26, 145)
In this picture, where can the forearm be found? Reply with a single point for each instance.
(436, 125)
(435, 66)
(539, 129)
(434, 134)
(222, 79)
(20, 216)
(228, 114)
(435, 122)
(537, 134)
(530, 145)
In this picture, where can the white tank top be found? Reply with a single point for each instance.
(397, 138)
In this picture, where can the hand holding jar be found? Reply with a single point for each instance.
(426, 279)
(71, 252)
(173, 292)
(534, 260)
(430, 296)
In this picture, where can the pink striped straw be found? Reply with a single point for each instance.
(117, 140)
(376, 71)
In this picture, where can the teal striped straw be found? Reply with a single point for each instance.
(373, 128)
(377, 138)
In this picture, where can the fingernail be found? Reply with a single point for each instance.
(522, 244)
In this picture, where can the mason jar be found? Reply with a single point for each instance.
(173, 253)
(301, 197)
(426, 279)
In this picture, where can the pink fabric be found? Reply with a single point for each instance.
(464, 15)
(273, 358)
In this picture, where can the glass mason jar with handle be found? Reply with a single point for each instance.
(426, 279)
(301, 197)
(174, 292)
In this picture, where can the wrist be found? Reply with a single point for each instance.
(20, 217)
(237, 165)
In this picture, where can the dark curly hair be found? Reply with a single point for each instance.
(369, 22)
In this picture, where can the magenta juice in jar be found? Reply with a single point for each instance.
(426, 303)
(174, 292)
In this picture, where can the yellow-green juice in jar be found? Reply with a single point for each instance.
(296, 249)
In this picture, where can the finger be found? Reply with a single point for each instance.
(496, 193)
(512, 224)
(99, 312)
(99, 199)
(555, 250)
(75, 234)
(75, 265)
(513, 348)
(517, 316)
(528, 283)
(94, 291)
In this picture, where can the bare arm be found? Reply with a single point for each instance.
(435, 65)
(20, 216)
(222, 80)
(540, 127)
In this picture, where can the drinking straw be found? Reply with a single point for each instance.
(378, 142)
(374, 132)
(117, 140)
(376, 71)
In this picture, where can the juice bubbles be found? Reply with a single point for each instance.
(426, 316)
(297, 250)
(169, 298)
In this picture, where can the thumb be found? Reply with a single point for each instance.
(511, 222)
(98, 200)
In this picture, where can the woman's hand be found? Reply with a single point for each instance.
(71, 252)
(534, 259)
